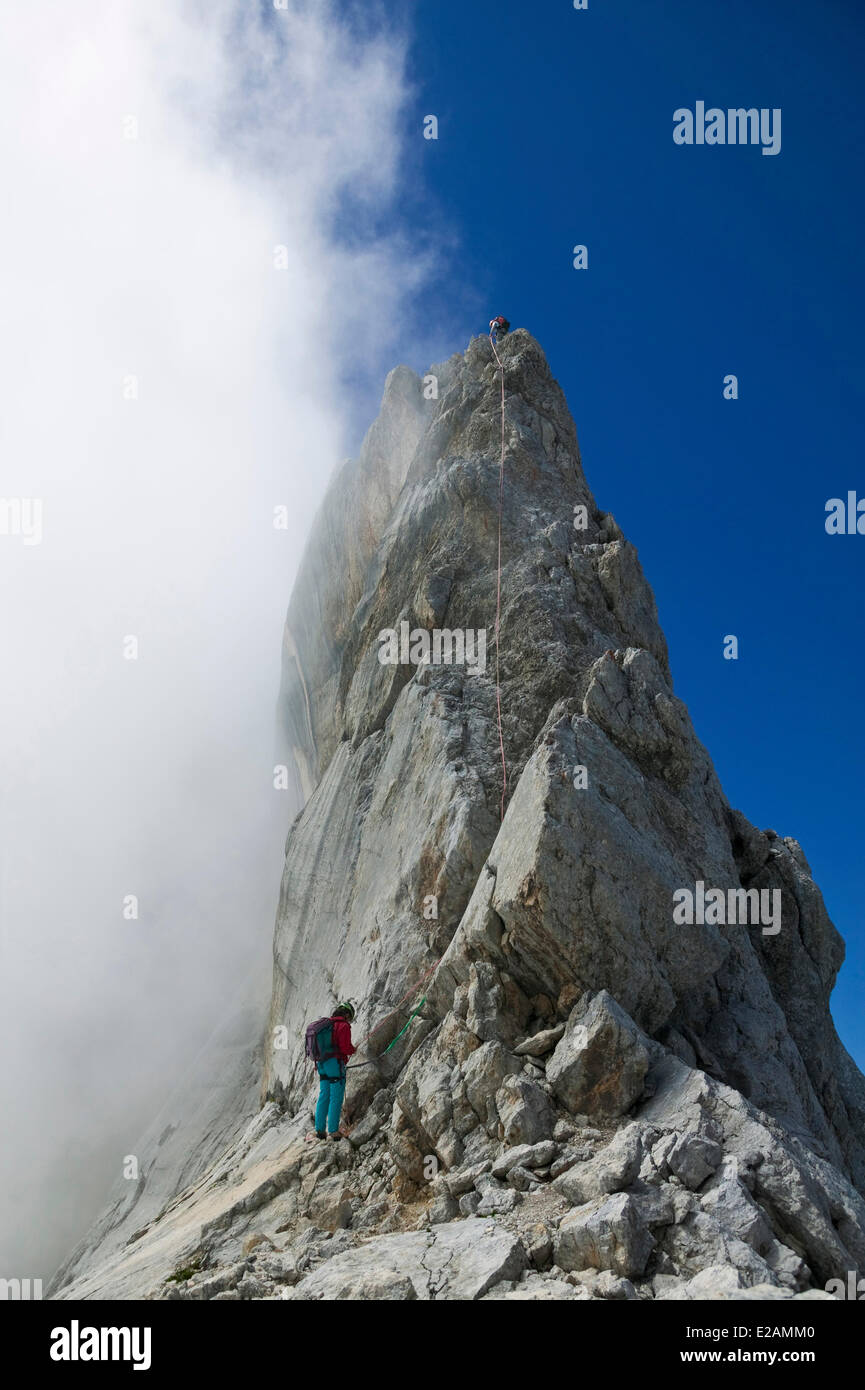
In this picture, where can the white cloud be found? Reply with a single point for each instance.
(152, 258)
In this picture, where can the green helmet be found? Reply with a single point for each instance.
(346, 1008)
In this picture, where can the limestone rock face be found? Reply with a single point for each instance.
(459, 1261)
(584, 1098)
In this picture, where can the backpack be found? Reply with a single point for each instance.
(318, 1044)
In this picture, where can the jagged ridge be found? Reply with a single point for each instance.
(722, 1129)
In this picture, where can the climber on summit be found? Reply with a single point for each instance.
(498, 325)
(329, 1044)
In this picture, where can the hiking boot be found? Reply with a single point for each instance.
(320, 1134)
(335, 1136)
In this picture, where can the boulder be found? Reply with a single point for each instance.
(523, 1179)
(527, 1155)
(599, 1066)
(524, 1110)
(497, 1202)
(483, 1075)
(463, 1179)
(693, 1159)
(614, 1168)
(540, 1043)
(698, 1241)
(608, 1233)
(605, 1284)
(728, 1200)
(444, 1208)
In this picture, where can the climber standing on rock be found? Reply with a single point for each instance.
(329, 1044)
(498, 325)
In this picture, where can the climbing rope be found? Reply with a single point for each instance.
(405, 1029)
(499, 582)
(355, 1066)
(409, 994)
(433, 968)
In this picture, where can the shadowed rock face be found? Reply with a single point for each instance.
(683, 1118)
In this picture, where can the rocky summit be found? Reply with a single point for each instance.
(569, 1093)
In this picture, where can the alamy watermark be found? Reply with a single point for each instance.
(731, 907)
(22, 516)
(730, 127)
(853, 1289)
(77, 1343)
(845, 518)
(441, 647)
(20, 1290)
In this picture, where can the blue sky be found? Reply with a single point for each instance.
(555, 128)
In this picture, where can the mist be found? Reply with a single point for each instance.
(196, 263)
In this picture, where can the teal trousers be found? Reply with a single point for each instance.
(329, 1108)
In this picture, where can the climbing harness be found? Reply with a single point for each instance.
(499, 575)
